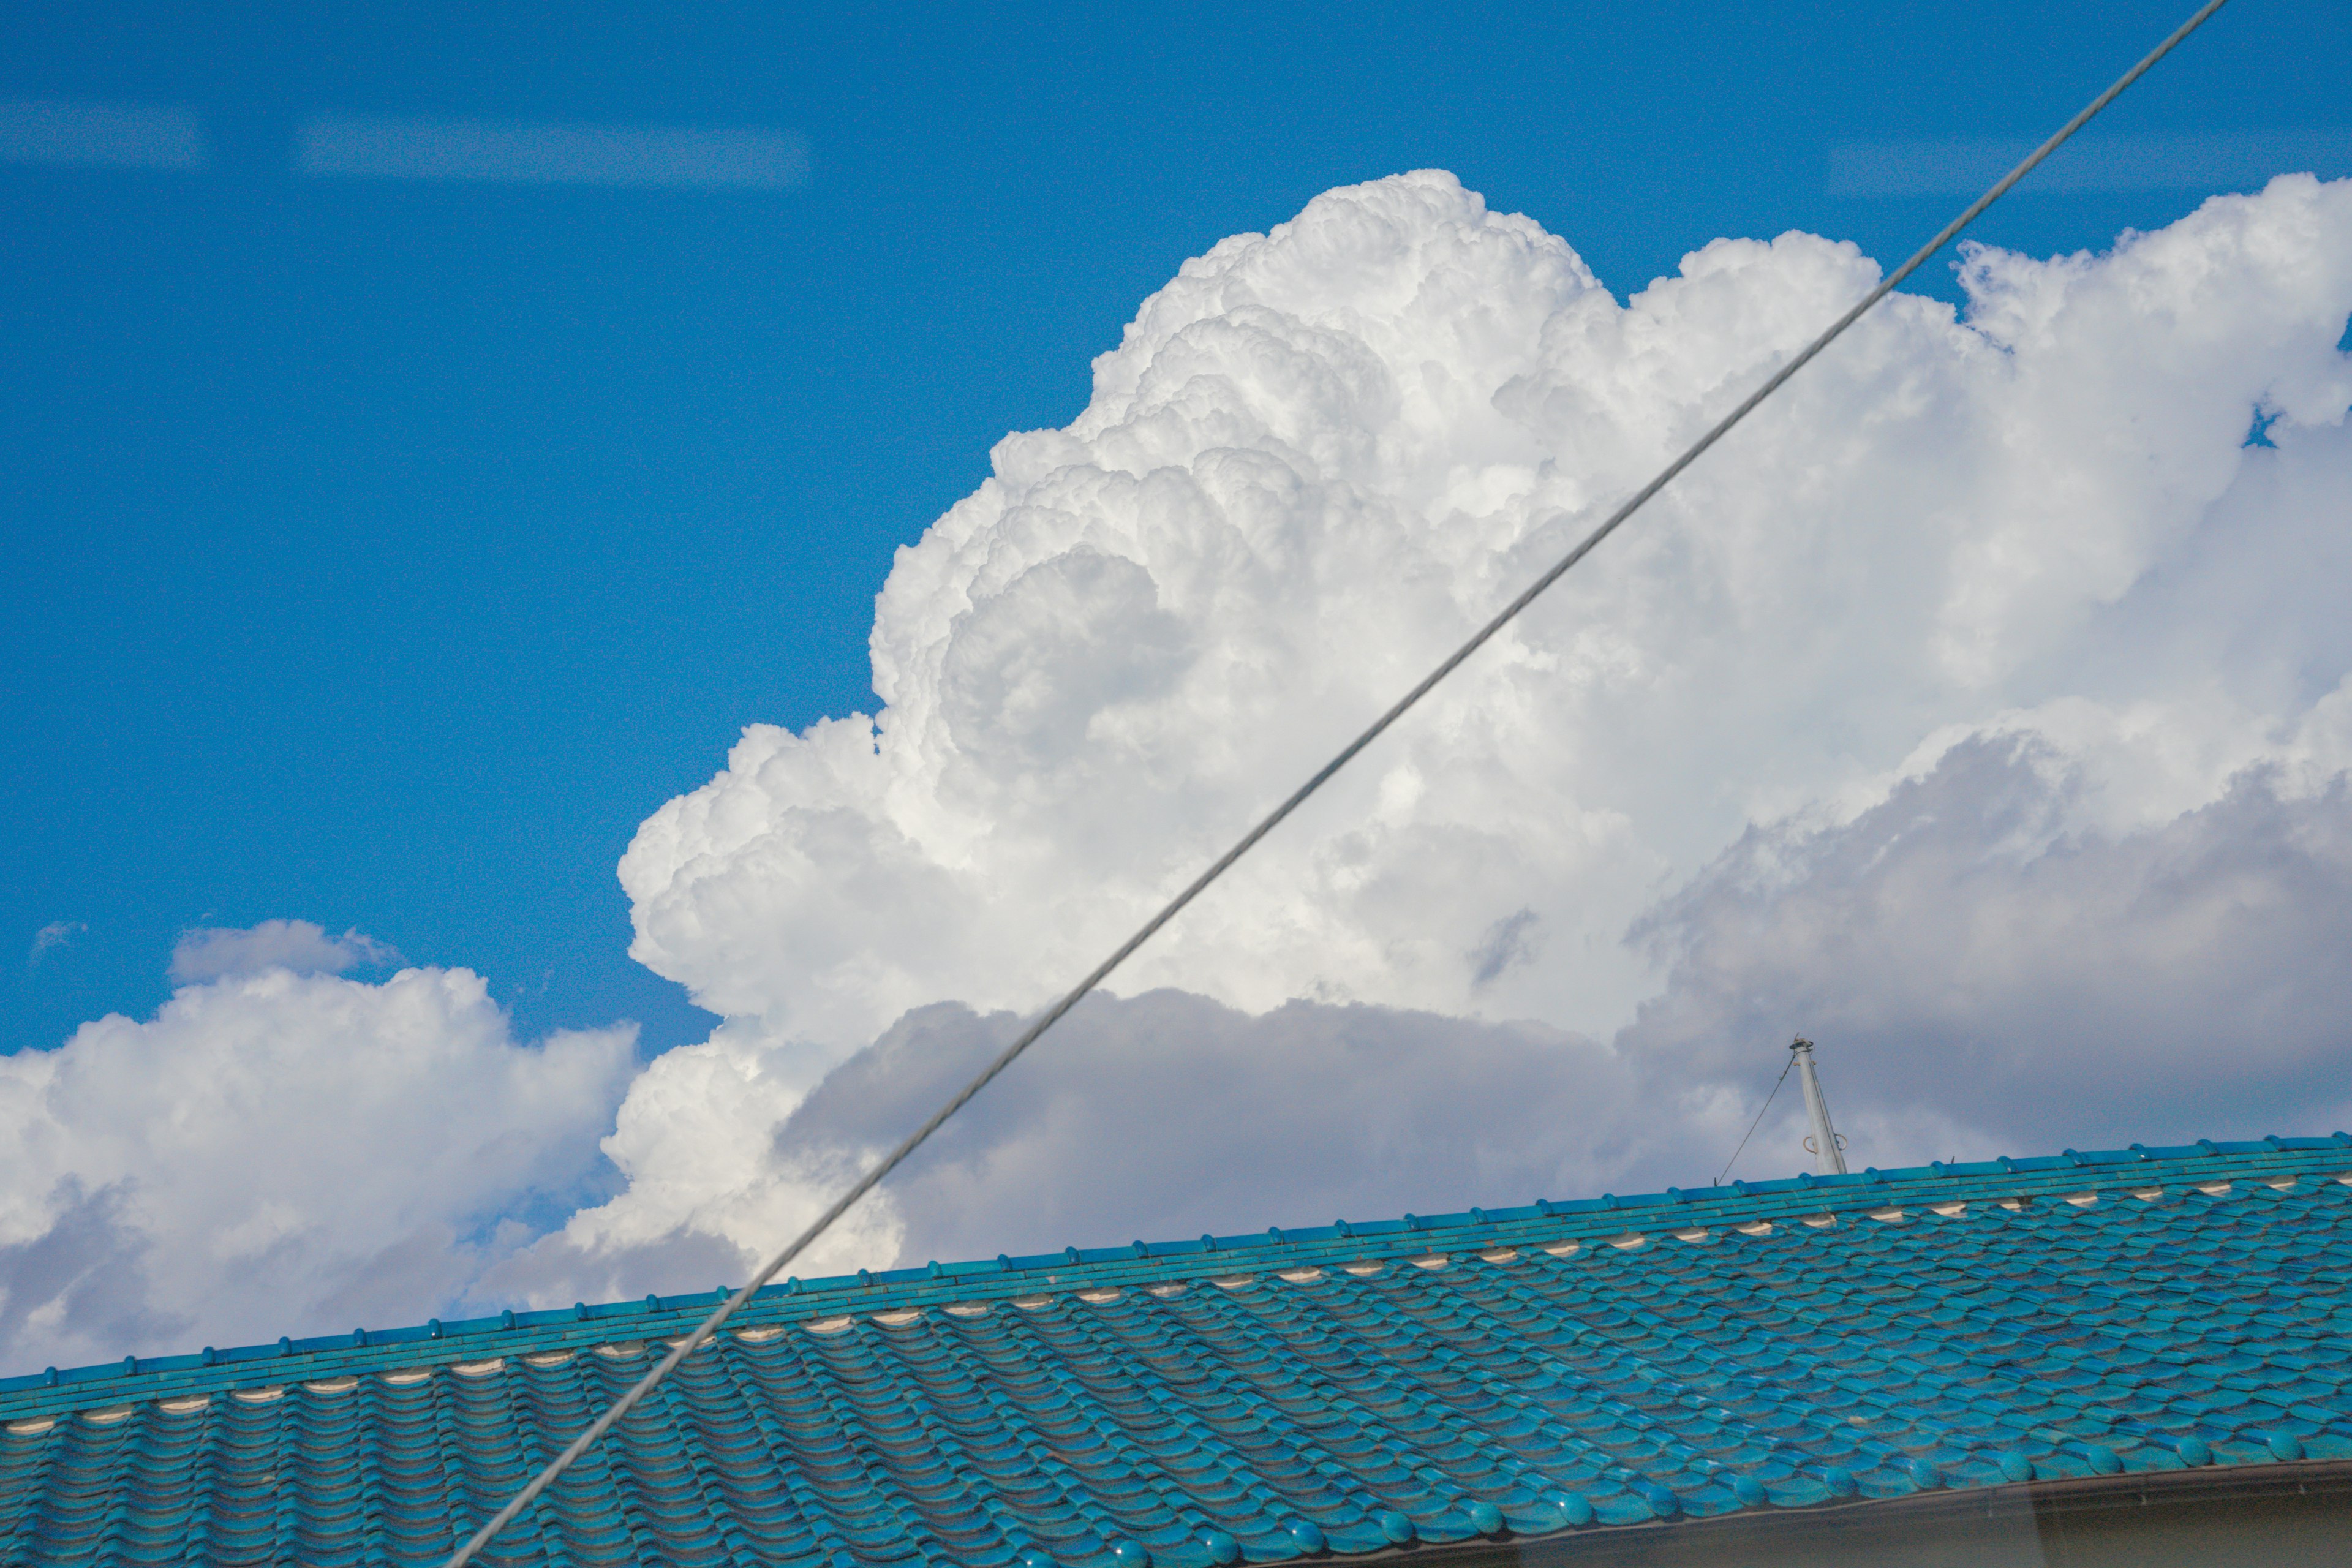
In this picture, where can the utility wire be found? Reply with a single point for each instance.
(1758, 1122)
(1273, 819)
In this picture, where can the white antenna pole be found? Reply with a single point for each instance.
(1824, 1142)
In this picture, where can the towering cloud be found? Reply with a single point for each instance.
(1321, 455)
(1980, 708)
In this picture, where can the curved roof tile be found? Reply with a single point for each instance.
(1763, 1346)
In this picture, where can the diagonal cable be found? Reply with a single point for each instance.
(1297, 797)
(1752, 1126)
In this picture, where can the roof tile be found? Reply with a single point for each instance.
(1764, 1345)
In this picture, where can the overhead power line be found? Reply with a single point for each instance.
(1273, 819)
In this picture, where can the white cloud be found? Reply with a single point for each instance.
(57, 933)
(1983, 702)
(214, 952)
(1321, 455)
(1157, 1116)
(1316, 460)
(1984, 980)
(282, 1154)
(2036, 988)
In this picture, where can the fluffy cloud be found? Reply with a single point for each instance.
(283, 1152)
(1997, 984)
(1986, 980)
(1160, 1115)
(2019, 563)
(1319, 456)
(1981, 709)
(214, 952)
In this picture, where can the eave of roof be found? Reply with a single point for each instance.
(1683, 1213)
(1889, 1525)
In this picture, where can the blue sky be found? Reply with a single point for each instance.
(454, 465)
(384, 551)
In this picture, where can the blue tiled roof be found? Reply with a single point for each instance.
(1559, 1367)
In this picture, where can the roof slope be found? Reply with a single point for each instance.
(1529, 1371)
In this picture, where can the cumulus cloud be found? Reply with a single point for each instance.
(1980, 710)
(1321, 455)
(1160, 1115)
(1987, 980)
(215, 952)
(2013, 571)
(281, 1153)
(1995, 984)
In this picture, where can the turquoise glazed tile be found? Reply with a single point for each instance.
(1343, 1389)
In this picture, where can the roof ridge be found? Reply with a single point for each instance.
(1609, 1217)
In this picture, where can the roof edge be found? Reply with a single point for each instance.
(1626, 1221)
(2133, 1492)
